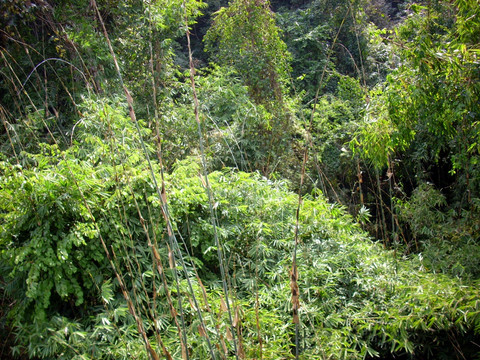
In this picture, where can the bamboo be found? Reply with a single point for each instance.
(208, 188)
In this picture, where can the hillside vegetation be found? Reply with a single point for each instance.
(293, 179)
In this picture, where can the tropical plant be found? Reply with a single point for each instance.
(249, 40)
(164, 226)
(357, 299)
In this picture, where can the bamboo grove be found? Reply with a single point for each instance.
(244, 179)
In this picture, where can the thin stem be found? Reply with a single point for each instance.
(208, 188)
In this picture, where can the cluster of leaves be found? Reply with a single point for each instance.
(424, 118)
(57, 207)
(325, 37)
(441, 86)
(333, 124)
(448, 239)
(240, 133)
(249, 40)
(83, 236)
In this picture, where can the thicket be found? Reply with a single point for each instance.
(321, 154)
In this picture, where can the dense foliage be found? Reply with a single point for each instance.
(358, 299)
(320, 150)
